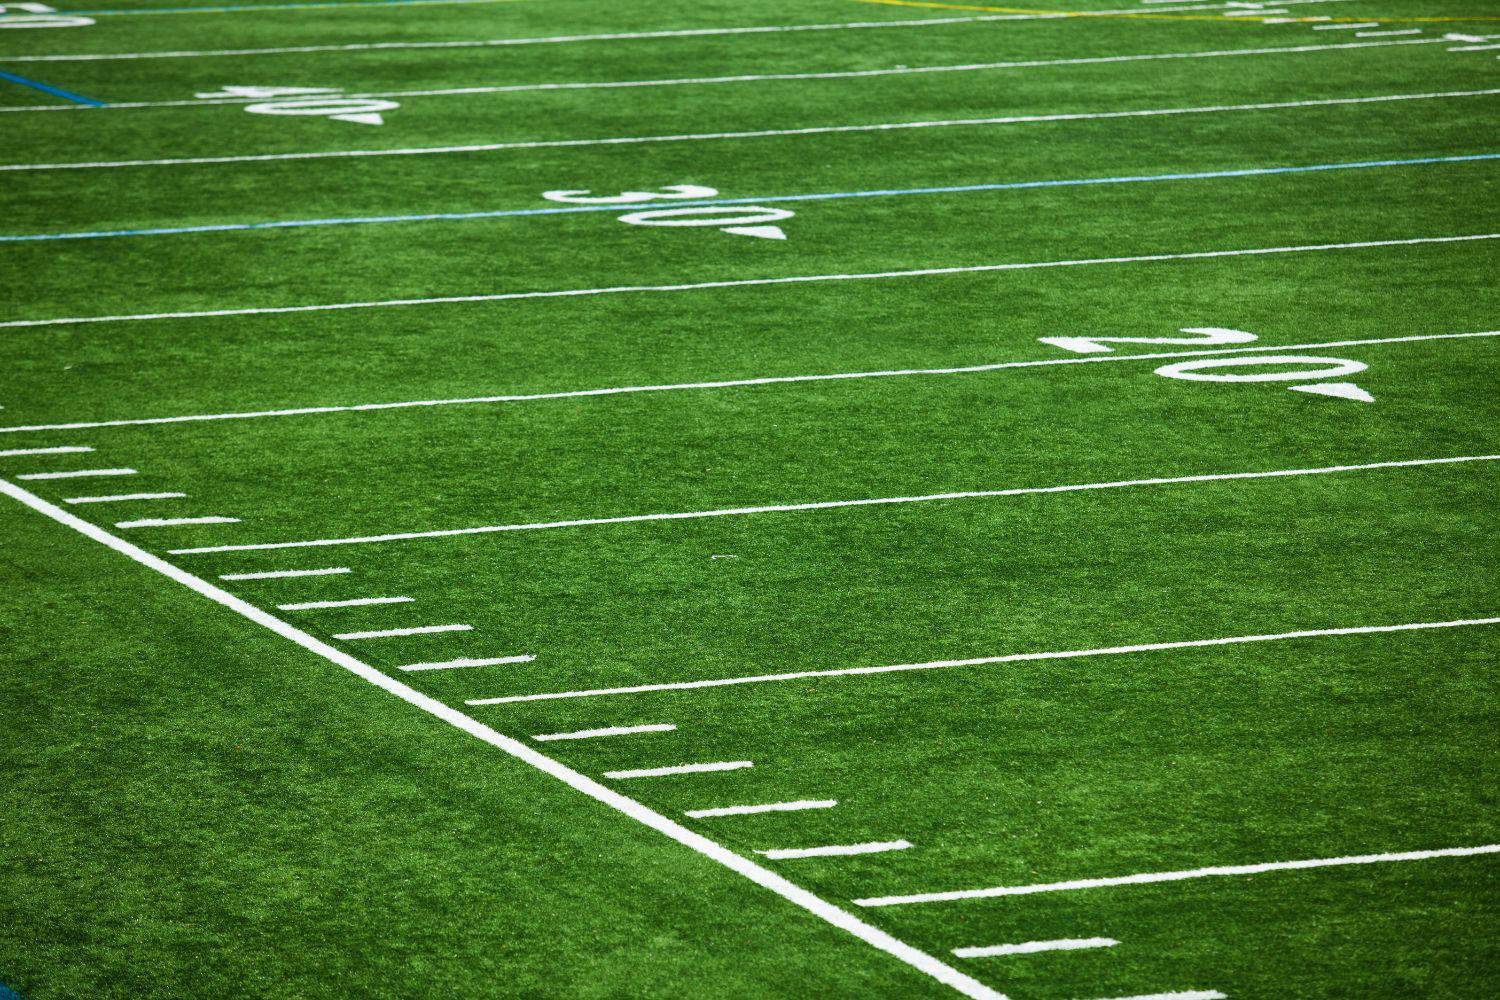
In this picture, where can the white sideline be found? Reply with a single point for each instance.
(833, 504)
(835, 850)
(282, 574)
(1150, 877)
(466, 662)
(520, 88)
(614, 37)
(589, 734)
(490, 147)
(66, 449)
(352, 602)
(1032, 947)
(120, 497)
(924, 272)
(764, 877)
(387, 633)
(765, 807)
(676, 769)
(741, 382)
(1148, 647)
(175, 522)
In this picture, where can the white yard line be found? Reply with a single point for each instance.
(1346, 27)
(589, 734)
(835, 850)
(925, 272)
(764, 877)
(388, 633)
(1388, 34)
(283, 574)
(1033, 947)
(676, 769)
(467, 662)
(755, 77)
(77, 474)
(353, 602)
(491, 147)
(175, 522)
(834, 504)
(764, 807)
(66, 449)
(742, 382)
(1177, 876)
(122, 497)
(1149, 647)
(623, 36)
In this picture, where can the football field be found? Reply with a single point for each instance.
(844, 498)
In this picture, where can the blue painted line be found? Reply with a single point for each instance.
(66, 95)
(232, 227)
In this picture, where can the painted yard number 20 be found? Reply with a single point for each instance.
(1315, 373)
(739, 220)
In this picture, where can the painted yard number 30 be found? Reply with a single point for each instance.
(1304, 367)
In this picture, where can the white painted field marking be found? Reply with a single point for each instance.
(1032, 947)
(353, 602)
(1177, 876)
(1178, 995)
(765, 807)
(1346, 27)
(66, 449)
(387, 633)
(467, 662)
(835, 504)
(1474, 48)
(282, 574)
(570, 39)
(175, 522)
(925, 272)
(1388, 34)
(121, 497)
(1150, 647)
(589, 734)
(757, 77)
(740, 865)
(664, 772)
(755, 134)
(735, 383)
(835, 850)
(77, 474)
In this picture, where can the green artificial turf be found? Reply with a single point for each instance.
(195, 806)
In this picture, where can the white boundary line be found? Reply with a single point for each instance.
(1177, 876)
(491, 147)
(925, 272)
(764, 877)
(520, 88)
(926, 22)
(1032, 947)
(739, 382)
(1148, 647)
(832, 504)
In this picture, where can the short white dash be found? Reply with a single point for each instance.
(662, 772)
(78, 474)
(1345, 27)
(392, 632)
(279, 574)
(765, 807)
(352, 602)
(836, 850)
(1032, 947)
(1387, 34)
(588, 734)
(175, 522)
(120, 497)
(65, 449)
(467, 662)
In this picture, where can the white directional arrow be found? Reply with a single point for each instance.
(369, 118)
(762, 232)
(1343, 390)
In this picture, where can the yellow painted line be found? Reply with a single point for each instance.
(1149, 16)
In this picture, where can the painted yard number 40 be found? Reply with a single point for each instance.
(1303, 367)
